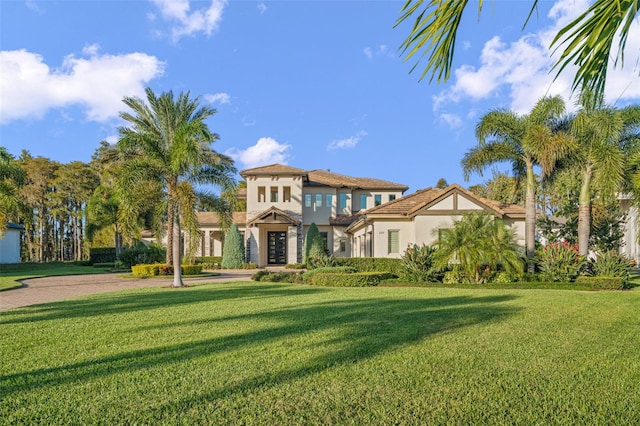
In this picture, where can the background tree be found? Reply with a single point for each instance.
(602, 132)
(442, 183)
(167, 146)
(233, 255)
(587, 40)
(12, 177)
(501, 187)
(524, 141)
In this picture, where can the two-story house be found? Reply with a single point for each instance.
(282, 202)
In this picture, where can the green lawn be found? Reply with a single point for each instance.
(11, 275)
(262, 353)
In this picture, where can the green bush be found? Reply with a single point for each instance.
(248, 265)
(142, 254)
(313, 245)
(233, 255)
(506, 277)
(207, 260)
(559, 262)
(278, 277)
(611, 264)
(146, 270)
(158, 269)
(295, 266)
(455, 277)
(602, 282)
(105, 265)
(372, 264)
(321, 260)
(191, 269)
(102, 254)
(356, 279)
(418, 264)
(331, 269)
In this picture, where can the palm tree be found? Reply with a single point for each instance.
(478, 244)
(12, 177)
(524, 141)
(168, 146)
(588, 38)
(601, 132)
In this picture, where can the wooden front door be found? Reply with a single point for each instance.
(277, 241)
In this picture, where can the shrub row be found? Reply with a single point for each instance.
(102, 255)
(602, 283)
(156, 269)
(371, 264)
(355, 279)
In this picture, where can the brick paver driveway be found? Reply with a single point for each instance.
(51, 289)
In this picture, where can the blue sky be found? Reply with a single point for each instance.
(312, 84)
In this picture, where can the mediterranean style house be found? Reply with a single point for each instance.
(357, 217)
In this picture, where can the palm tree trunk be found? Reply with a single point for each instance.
(170, 239)
(530, 219)
(584, 213)
(177, 272)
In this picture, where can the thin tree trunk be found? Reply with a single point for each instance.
(170, 240)
(177, 270)
(584, 213)
(530, 220)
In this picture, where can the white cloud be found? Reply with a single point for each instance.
(265, 151)
(221, 98)
(97, 83)
(452, 120)
(187, 21)
(348, 142)
(262, 8)
(521, 70)
(376, 51)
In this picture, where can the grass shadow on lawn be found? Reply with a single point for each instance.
(350, 330)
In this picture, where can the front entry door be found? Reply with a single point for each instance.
(277, 247)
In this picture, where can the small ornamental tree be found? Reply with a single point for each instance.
(233, 250)
(313, 243)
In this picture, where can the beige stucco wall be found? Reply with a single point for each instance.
(318, 214)
(256, 205)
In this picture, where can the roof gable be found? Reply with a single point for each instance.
(273, 215)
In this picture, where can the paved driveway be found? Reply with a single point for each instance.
(51, 289)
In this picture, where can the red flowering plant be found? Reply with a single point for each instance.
(560, 261)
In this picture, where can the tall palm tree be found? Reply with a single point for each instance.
(602, 132)
(587, 39)
(524, 141)
(168, 146)
(12, 177)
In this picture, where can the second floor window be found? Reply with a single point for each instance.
(274, 194)
(329, 200)
(363, 201)
(307, 200)
(392, 197)
(318, 200)
(377, 199)
(286, 194)
(343, 201)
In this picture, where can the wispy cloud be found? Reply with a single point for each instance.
(97, 83)
(377, 51)
(221, 98)
(262, 8)
(347, 143)
(188, 21)
(452, 120)
(265, 151)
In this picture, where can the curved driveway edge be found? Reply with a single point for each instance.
(51, 289)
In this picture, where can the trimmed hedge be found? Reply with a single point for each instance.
(157, 269)
(372, 264)
(340, 279)
(207, 259)
(102, 255)
(602, 283)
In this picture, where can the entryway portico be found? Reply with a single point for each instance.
(275, 238)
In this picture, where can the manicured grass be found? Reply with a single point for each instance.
(10, 275)
(263, 353)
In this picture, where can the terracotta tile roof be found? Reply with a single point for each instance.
(344, 220)
(328, 178)
(211, 218)
(272, 169)
(411, 204)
